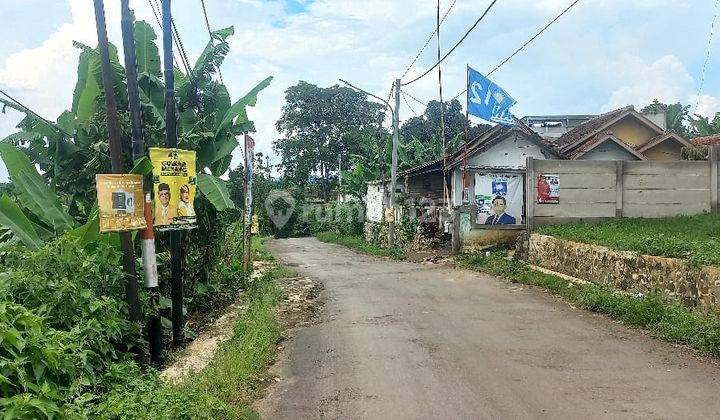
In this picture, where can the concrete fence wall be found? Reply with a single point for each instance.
(596, 190)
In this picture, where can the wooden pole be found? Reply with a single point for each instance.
(113, 127)
(176, 270)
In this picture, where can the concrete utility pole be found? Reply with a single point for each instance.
(116, 160)
(393, 169)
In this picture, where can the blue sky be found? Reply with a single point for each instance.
(603, 54)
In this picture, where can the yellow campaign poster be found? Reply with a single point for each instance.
(174, 187)
(120, 202)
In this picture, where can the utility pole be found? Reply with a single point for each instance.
(393, 169)
(176, 283)
(149, 260)
(113, 127)
(249, 154)
(446, 191)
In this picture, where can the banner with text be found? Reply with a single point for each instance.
(174, 186)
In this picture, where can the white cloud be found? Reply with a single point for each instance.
(707, 105)
(665, 79)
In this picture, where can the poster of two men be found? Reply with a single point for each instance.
(174, 185)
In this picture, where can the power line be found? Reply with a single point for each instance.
(522, 47)
(456, 45)
(407, 103)
(425, 104)
(181, 47)
(412, 63)
(707, 55)
(207, 23)
(159, 23)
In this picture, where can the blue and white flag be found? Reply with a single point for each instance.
(487, 100)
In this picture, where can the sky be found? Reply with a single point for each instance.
(603, 54)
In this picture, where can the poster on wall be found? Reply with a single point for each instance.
(548, 189)
(174, 186)
(120, 202)
(499, 199)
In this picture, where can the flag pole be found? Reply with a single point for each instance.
(467, 123)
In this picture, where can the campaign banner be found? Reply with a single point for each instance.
(174, 188)
(499, 199)
(120, 202)
(548, 189)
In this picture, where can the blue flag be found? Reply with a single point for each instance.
(487, 100)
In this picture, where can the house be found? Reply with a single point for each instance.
(622, 134)
(491, 165)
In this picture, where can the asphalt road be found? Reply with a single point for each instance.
(407, 341)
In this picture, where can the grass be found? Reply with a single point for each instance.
(238, 372)
(668, 320)
(693, 238)
(360, 244)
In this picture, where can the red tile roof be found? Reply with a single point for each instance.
(713, 140)
(581, 131)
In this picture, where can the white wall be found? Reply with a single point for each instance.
(373, 202)
(510, 153)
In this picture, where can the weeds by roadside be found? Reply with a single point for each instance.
(694, 238)
(666, 319)
(359, 244)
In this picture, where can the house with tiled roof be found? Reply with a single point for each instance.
(622, 134)
(706, 141)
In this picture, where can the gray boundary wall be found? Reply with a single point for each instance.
(597, 190)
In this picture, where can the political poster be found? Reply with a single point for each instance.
(499, 199)
(120, 202)
(548, 189)
(174, 187)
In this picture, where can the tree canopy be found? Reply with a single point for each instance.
(318, 125)
(425, 127)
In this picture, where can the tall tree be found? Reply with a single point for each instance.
(425, 127)
(319, 125)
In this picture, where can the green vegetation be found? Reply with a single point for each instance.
(227, 387)
(67, 349)
(666, 319)
(239, 368)
(359, 244)
(694, 238)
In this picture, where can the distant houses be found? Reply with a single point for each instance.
(496, 159)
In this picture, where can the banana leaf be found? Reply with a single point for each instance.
(12, 217)
(215, 190)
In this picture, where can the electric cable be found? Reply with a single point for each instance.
(412, 63)
(707, 56)
(455, 46)
(522, 47)
(207, 24)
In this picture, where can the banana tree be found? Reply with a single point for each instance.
(71, 150)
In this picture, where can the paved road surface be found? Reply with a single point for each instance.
(406, 341)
